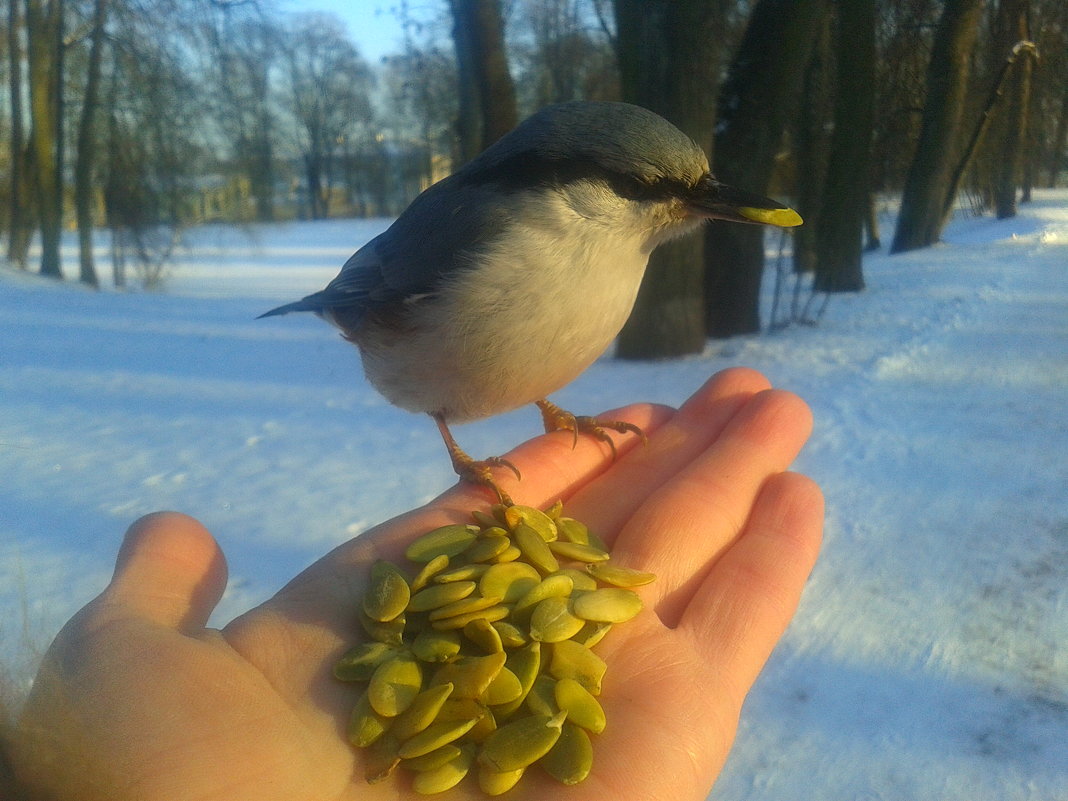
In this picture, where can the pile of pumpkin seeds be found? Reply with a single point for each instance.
(482, 660)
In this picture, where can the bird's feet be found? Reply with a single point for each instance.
(556, 419)
(475, 471)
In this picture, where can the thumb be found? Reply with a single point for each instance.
(169, 571)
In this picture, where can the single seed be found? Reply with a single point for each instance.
(521, 742)
(535, 549)
(446, 776)
(434, 736)
(509, 582)
(435, 759)
(464, 606)
(484, 519)
(541, 700)
(421, 713)
(552, 621)
(428, 571)
(571, 759)
(524, 663)
(493, 782)
(461, 573)
(365, 725)
(390, 632)
(482, 633)
(577, 552)
(570, 660)
(470, 675)
(553, 586)
(447, 540)
(573, 530)
(511, 635)
(485, 549)
(509, 554)
(380, 759)
(581, 580)
(438, 595)
(494, 531)
(394, 685)
(619, 576)
(470, 709)
(592, 633)
(504, 689)
(609, 605)
(432, 645)
(582, 708)
(555, 510)
(492, 614)
(359, 663)
(534, 518)
(388, 593)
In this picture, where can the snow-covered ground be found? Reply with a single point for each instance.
(929, 659)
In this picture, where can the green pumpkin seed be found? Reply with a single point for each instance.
(509, 554)
(462, 607)
(494, 531)
(365, 725)
(487, 548)
(388, 593)
(521, 742)
(535, 549)
(481, 632)
(541, 700)
(609, 605)
(511, 635)
(552, 621)
(582, 708)
(619, 576)
(573, 530)
(470, 675)
(380, 759)
(504, 689)
(438, 595)
(592, 633)
(536, 519)
(494, 782)
(390, 632)
(509, 582)
(359, 663)
(577, 552)
(570, 660)
(491, 614)
(447, 540)
(446, 776)
(395, 684)
(470, 709)
(422, 712)
(524, 663)
(428, 571)
(435, 759)
(433, 737)
(461, 573)
(484, 519)
(571, 759)
(556, 585)
(432, 645)
(582, 581)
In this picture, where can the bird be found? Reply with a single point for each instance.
(504, 281)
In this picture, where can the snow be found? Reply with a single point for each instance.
(929, 658)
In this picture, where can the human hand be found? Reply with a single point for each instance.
(136, 699)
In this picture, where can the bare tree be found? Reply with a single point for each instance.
(19, 224)
(1014, 32)
(85, 157)
(487, 93)
(924, 201)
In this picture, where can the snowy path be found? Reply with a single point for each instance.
(929, 659)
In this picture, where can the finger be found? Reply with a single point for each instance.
(628, 483)
(169, 571)
(688, 522)
(746, 601)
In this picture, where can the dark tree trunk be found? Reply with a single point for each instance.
(44, 27)
(758, 99)
(926, 197)
(840, 232)
(18, 220)
(1060, 142)
(487, 94)
(668, 65)
(1012, 16)
(86, 155)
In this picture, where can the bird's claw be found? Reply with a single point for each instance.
(557, 419)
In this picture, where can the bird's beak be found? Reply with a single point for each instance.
(717, 201)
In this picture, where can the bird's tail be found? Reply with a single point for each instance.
(310, 303)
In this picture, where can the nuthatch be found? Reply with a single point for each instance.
(503, 282)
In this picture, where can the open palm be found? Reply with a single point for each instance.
(136, 699)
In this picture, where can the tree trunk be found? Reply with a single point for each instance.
(1060, 141)
(667, 65)
(760, 96)
(487, 94)
(1013, 18)
(925, 200)
(86, 155)
(18, 217)
(44, 28)
(840, 233)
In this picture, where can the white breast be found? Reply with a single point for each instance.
(553, 294)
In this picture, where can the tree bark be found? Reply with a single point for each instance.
(668, 65)
(85, 158)
(487, 93)
(44, 28)
(926, 197)
(760, 96)
(840, 232)
(1013, 19)
(19, 196)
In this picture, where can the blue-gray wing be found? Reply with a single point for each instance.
(434, 237)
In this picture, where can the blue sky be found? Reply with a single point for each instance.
(371, 23)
